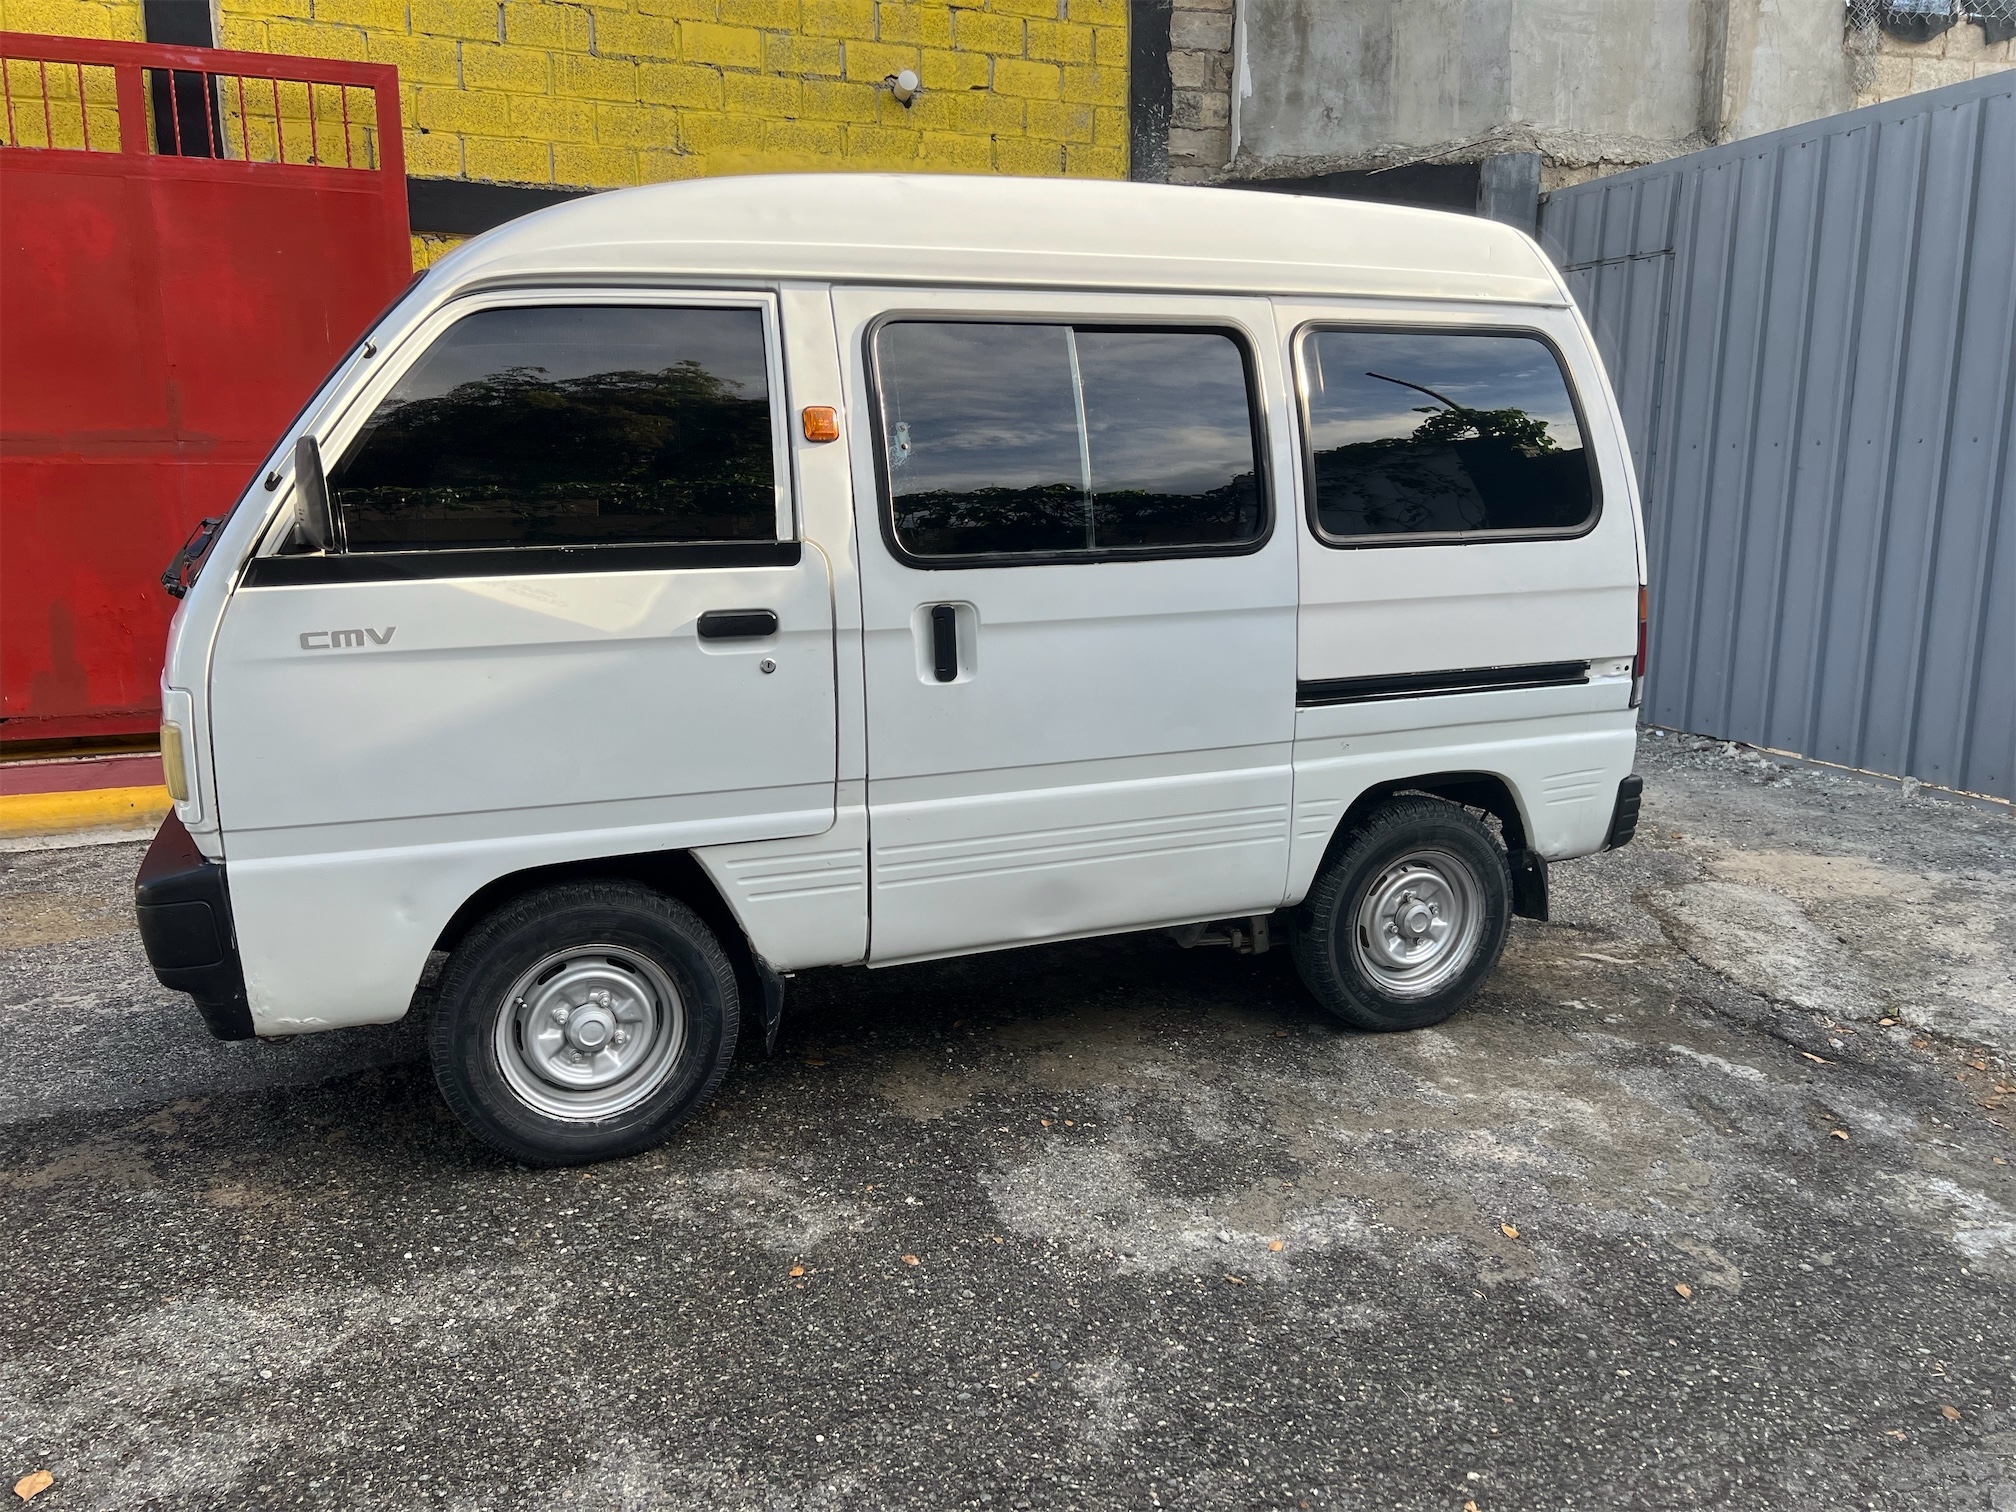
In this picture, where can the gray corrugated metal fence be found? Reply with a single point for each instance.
(1813, 336)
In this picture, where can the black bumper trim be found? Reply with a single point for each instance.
(1624, 817)
(185, 922)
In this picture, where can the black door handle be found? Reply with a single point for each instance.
(734, 624)
(944, 642)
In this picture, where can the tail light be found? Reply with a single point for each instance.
(1638, 661)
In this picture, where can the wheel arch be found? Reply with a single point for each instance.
(676, 874)
(1488, 792)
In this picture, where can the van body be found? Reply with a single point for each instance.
(691, 585)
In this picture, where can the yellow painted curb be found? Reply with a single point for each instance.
(24, 814)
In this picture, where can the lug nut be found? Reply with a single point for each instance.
(559, 1013)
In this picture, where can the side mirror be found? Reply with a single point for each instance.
(314, 527)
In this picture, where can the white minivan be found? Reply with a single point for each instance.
(688, 586)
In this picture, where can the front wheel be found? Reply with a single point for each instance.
(584, 1022)
(1407, 919)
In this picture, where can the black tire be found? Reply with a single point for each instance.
(573, 983)
(1358, 979)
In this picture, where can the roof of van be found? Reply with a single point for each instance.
(933, 228)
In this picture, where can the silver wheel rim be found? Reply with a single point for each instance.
(587, 1033)
(1418, 924)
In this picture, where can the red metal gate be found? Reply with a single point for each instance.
(189, 240)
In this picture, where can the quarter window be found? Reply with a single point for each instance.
(569, 425)
(1442, 436)
(1055, 440)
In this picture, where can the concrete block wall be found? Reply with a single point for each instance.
(1200, 96)
(1891, 69)
(106, 20)
(617, 92)
(67, 122)
(638, 91)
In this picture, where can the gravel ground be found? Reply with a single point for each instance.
(1669, 1217)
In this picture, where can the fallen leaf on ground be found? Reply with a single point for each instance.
(1686, 1291)
(912, 1260)
(1887, 1023)
(1046, 1123)
(1897, 1433)
(1508, 1231)
(1951, 1414)
(1818, 1060)
(797, 1270)
(1275, 1245)
(1838, 1134)
(1235, 1280)
(31, 1486)
(1469, 1506)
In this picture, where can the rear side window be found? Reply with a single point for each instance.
(569, 425)
(1442, 436)
(1047, 441)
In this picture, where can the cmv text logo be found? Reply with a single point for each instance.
(337, 640)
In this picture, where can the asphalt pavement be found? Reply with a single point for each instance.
(1670, 1217)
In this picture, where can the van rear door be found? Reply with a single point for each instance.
(568, 615)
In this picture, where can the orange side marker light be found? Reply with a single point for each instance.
(822, 423)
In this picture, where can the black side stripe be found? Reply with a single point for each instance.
(1346, 690)
(513, 561)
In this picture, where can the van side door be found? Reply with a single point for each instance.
(1078, 613)
(568, 615)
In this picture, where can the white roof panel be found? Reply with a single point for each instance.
(928, 228)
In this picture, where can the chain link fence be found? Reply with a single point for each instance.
(1922, 20)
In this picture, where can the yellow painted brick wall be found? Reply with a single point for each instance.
(111, 20)
(636, 91)
(430, 247)
(61, 121)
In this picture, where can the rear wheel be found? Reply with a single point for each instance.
(584, 1022)
(1407, 919)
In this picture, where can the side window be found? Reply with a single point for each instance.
(1046, 441)
(1442, 435)
(556, 425)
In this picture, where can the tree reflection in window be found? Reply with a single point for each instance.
(1499, 449)
(532, 427)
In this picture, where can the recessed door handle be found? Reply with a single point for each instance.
(944, 642)
(737, 624)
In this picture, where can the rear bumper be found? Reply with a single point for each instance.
(1624, 817)
(185, 922)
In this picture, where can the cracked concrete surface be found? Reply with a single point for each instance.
(1179, 1240)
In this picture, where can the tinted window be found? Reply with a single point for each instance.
(1418, 434)
(1048, 440)
(566, 426)
(1170, 438)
